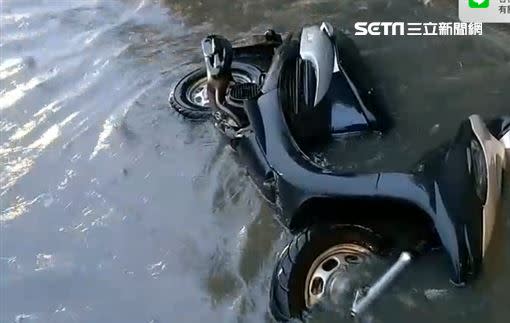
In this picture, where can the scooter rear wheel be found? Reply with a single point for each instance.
(312, 258)
(189, 97)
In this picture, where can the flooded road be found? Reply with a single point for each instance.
(114, 209)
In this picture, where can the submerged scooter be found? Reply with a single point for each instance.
(273, 97)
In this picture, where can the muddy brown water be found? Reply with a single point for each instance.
(114, 209)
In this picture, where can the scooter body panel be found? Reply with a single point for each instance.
(458, 186)
(445, 190)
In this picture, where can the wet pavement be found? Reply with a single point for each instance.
(115, 209)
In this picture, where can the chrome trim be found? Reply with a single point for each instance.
(494, 153)
(316, 47)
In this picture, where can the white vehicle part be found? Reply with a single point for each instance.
(317, 47)
(494, 152)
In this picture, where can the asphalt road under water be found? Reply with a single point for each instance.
(114, 209)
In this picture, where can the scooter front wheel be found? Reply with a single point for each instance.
(316, 257)
(189, 95)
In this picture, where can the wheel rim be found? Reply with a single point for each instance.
(329, 265)
(197, 92)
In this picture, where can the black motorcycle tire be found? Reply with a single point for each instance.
(287, 290)
(180, 101)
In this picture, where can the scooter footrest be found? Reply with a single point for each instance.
(244, 91)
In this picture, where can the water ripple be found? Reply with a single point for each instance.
(103, 191)
(9, 98)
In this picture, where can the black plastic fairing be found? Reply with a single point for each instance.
(282, 121)
(346, 110)
(458, 207)
(289, 50)
(444, 188)
(363, 77)
(306, 81)
(499, 126)
(342, 110)
(309, 124)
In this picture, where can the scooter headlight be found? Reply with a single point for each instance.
(479, 170)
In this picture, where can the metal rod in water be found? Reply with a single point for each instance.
(361, 303)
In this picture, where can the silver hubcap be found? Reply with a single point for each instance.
(197, 93)
(329, 265)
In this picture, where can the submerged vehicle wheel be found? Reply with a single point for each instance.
(189, 96)
(312, 260)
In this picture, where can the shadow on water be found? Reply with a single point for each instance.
(115, 209)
